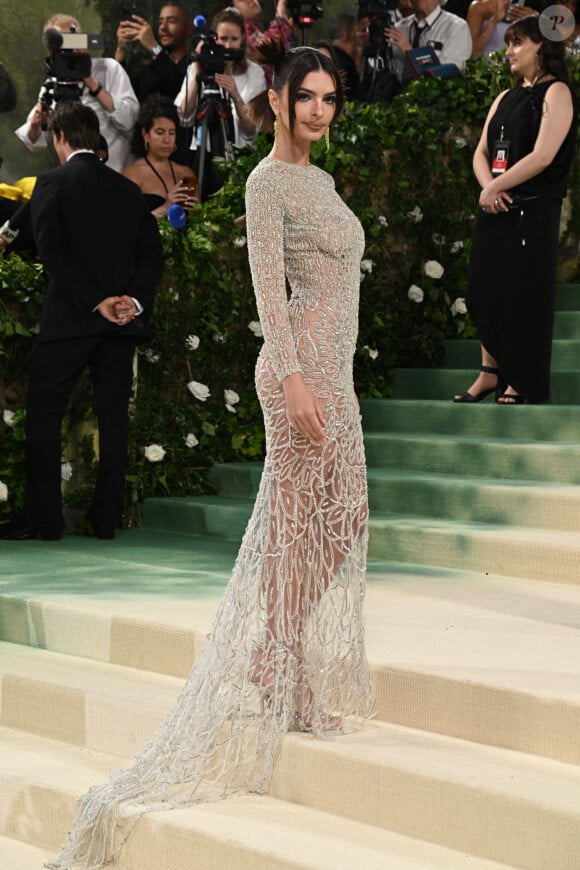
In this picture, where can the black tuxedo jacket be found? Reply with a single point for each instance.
(96, 238)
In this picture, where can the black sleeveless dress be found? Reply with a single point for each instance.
(512, 272)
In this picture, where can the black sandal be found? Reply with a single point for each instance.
(514, 399)
(469, 398)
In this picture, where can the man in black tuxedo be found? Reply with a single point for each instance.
(101, 247)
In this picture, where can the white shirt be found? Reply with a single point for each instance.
(116, 126)
(443, 27)
(249, 83)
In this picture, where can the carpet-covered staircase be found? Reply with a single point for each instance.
(473, 624)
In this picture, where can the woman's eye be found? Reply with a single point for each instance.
(331, 99)
(302, 97)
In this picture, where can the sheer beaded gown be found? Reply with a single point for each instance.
(287, 646)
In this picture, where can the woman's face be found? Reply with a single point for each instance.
(314, 108)
(250, 9)
(229, 35)
(522, 55)
(160, 138)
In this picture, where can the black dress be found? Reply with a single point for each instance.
(512, 272)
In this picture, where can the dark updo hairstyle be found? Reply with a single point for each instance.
(230, 15)
(154, 106)
(290, 69)
(552, 53)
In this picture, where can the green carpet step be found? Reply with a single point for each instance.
(496, 662)
(535, 554)
(44, 779)
(466, 353)
(567, 297)
(464, 457)
(204, 516)
(535, 505)
(484, 420)
(445, 383)
(237, 479)
(15, 855)
(566, 324)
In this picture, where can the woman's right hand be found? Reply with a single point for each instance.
(181, 195)
(303, 409)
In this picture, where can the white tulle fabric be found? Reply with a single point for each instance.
(287, 646)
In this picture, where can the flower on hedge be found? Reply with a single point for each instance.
(415, 293)
(256, 327)
(373, 352)
(191, 440)
(438, 239)
(8, 417)
(65, 470)
(192, 342)
(460, 141)
(200, 391)
(366, 265)
(154, 452)
(239, 242)
(232, 399)
(382, 220)
(219, 338)
(3, 491)
(433, 269)
(151, 356)
(459, 306)
(455, 247)
(173, 293)
(415, 214)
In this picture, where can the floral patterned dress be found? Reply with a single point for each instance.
(287, 646)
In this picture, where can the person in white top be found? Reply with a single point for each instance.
(107, 91)
(243, 80)
(430, 26)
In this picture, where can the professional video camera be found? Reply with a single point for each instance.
(213, 56)
(66, 66)
(380, 14)
(304, 13)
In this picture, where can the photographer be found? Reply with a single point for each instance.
(107, 90)
(242, 79)
(343, 34)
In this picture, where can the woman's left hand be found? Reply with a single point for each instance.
(493, 201)
(227, 82)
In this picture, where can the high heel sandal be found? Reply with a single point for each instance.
(469, 398)
(304, 719)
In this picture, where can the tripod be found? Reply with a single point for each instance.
(214, 132)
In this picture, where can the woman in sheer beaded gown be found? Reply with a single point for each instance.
(287, 646)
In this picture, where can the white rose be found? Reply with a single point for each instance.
(372, 352)
(173, 293)
(3, 491)
(151, 356)
(191, 440)
(459, 306)
(154, 452)
(65, 470)
(366, 265)
(231, 409)
(382, 220)
(231, 397)
(438, 239)
(415, 293)
(460, 141)
(219, 338)
(362, 276)
(200, 391)
(239, 242)
(456, 246)
(433, 269)
(8, 417)
(256, 327)
(192, 341)
(416, 214)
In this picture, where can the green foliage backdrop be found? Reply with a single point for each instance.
(405, 169)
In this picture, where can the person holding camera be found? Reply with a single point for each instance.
(242, 79)
(162, 181)
(107, 90)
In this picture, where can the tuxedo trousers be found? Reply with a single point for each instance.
(55, 368)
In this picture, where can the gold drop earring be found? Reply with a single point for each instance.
(327, 137)
(276, 127)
